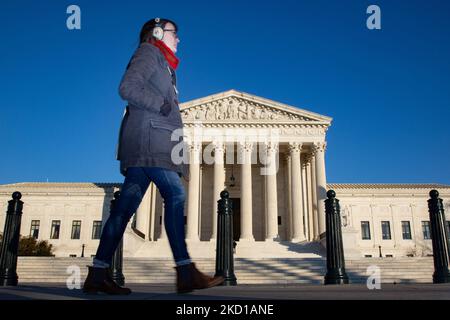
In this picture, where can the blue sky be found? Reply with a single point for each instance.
(388, 90)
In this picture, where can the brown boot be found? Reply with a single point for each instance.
(189, 278)
(100, 280)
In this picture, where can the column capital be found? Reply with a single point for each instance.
(219, 145)
(319, 147)
(194, 146)
(307, 160)
(308, 157)
(246, 192)
(295, 147)
(271, 146)
(246, 146)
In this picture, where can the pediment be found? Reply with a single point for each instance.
(234, 106)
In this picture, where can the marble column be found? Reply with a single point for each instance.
(296, 190)
(271, 193)
(314, 197)
(152, 188)
(193, 192)
(309, 188)
(288, 175)
(246, 192)
(143, 214)
(321, 181)
(219, 183)
(305, 197)
(163, 235)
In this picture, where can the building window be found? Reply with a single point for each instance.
(34, 231)
(386, 230)
(279, 220)
(365, 230)
(426, 228)
(76, 229)
(54, 233)
(96, 230)
(406, 230)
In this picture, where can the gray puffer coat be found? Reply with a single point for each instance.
(152, 113)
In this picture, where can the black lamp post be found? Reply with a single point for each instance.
(335, 250)
(224, 248)
(439, 238)
(10, 242)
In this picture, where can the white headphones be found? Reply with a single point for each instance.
(158, 31)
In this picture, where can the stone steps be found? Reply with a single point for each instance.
(247, 271)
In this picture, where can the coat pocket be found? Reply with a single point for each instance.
(161, 141)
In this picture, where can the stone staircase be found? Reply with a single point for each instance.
(392, 270)
(281, 271)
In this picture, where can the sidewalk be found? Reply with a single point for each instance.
(241, 292)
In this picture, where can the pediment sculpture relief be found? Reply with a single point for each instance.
(236, 109)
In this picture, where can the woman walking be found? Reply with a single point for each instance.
(145, 145)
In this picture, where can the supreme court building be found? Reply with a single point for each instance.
(274, 215)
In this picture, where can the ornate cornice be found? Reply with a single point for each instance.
(42, 187)
(387, 186)
(298, 127)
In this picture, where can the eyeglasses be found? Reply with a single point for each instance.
(173, 31)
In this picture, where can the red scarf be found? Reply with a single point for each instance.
(167, 52)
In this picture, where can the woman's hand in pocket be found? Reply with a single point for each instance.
(166, 108)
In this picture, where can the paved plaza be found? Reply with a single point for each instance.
(240, 292)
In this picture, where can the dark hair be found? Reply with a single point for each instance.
(147, 28)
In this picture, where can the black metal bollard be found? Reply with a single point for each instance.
(335, 250)
(10, 243)
(224, 249)
(117, 261)
(439, 238)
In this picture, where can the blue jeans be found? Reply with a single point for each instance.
(133, 189)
